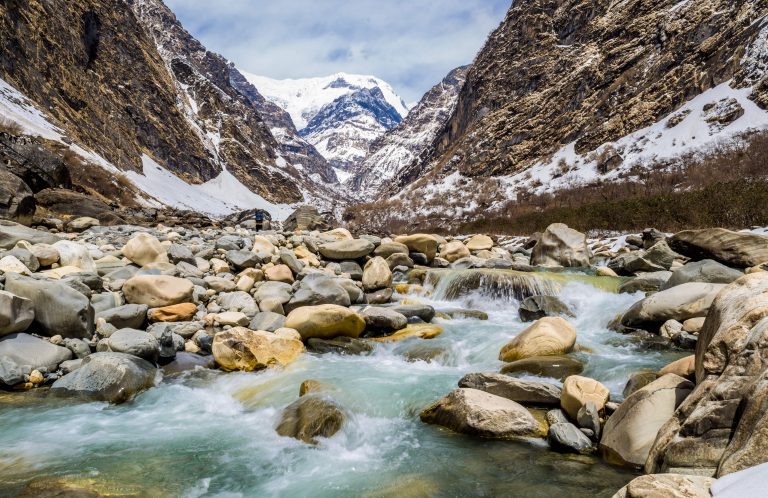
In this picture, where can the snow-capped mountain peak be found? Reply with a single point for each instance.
(340, 114)
(304, 97)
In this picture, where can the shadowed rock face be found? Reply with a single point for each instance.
(124, 79)
(561, 71)
(91, 65)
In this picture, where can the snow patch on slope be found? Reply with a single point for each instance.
(218, 197)
(16, 107)
(662, 141)
(303, 98)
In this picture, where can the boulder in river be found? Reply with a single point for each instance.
(631, 430)
(16, 313)
(561, 246)
(325, 321)
(157, 290)
(470, 411)
(134, 342)
(383, 320)
(546, 337)
(420, 243)
(565, 437)
(521, 391)
(112, 377)
(677, 303)
(376, 274)
(707, 270)
(536, 307)
(577, 390)
(22, 353)
(240, 348)
(556, 367)
(340, 345)
(346, 249)
(739, 249)
(59, 309)
(311, 417)
(454, 250)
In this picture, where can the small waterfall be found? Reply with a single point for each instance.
(506, 285)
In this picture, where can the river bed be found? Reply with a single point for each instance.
(207, 433)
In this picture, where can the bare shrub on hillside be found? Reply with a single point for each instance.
(10, 127)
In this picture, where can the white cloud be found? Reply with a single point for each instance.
(411, 44)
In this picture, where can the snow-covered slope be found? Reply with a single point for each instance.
(303, 98)
(339, 114)
(391, 157)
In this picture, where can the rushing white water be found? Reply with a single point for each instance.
(207, 433)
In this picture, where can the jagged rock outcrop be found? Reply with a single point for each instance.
(720, 427)
(560, 71)
(393, 158)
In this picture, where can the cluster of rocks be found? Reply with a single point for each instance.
(697, 418)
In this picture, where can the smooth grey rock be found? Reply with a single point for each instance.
(589, 418)
(178, 253)
(106, 301)
(703, 271)
(346, 249)
(266, 320)
(185, 362)
(646, 282)
(560, 245)
(383, 320)
(241, 259)
(381, 296)
(354, 270)
(112, 377)
(567, 438)
(136, 343)
(316, 289)
(738, 249)
(21, 353)
(59, 310)
(536, 307)
(11, 233)
(680, 303)
(128, 316)
(521, 391)
(16, 313)
(289, 259)
(238, 301)
(423, 311)
(339, 345)
(79, 347)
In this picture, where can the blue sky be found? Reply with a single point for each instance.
(411, 44)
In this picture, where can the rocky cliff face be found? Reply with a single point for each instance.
(94, 69)
(139, 103)
(393, 159)
(568, 92)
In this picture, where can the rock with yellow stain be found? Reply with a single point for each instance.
(418, 330)
(242, 349)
